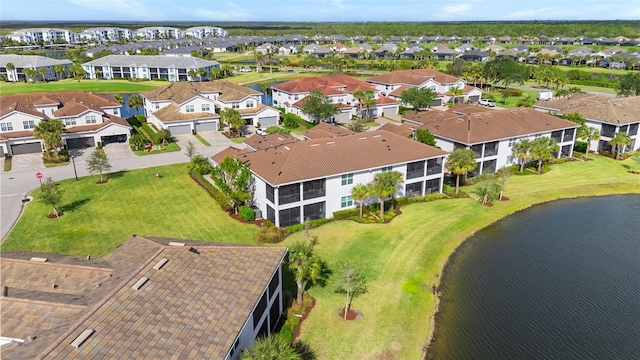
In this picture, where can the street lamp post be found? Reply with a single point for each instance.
(73, 160)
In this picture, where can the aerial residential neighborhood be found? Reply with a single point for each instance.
(316, 187)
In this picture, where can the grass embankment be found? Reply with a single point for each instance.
(202, 140)
(97, 86)
(401, 260)
(97, 218)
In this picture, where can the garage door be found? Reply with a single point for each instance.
(180, 129)
(207, 126)
(1, 151)
(249, 121)
(268, 121)
(390, 110)
(474, 99)
(28, 148)
(436, 102)
(80, 143)
(110, 139)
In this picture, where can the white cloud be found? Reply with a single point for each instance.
(457, 9)
(531, 14)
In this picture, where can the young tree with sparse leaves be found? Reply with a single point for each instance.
(351, 282)
(233, 178)
(50, 194)
(305, 264)
(98, 163)
(190, 149)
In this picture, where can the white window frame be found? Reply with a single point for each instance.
(28, 124)
(387, 168)
(189, 108)
(90, 119)
(346, 201)
(70, 121)
(235, 105)
(347, 179)
(6, 126)
(156, 106)
(249, 103)
(512, 142)
(206, 107)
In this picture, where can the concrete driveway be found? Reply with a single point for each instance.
(218, 142)
(27, 162)
(118, 151)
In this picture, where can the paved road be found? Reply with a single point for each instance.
(17, 184)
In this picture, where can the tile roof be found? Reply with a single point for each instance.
(194, 306)
(318, 158)
(328, 85)
(31, 61)
(181, 91)
(489, 125)
(15, 134)
(153, 61)
(413, 78)
(172, 113)
(324, 130)
(77, 102)
(404, 129)
(259, 142)
(596, 107)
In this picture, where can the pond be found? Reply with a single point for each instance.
(556, 281)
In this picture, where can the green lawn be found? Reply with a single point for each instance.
(404, 258)
(100, 217)
(401, 260)
(97, 86)
(171, 146)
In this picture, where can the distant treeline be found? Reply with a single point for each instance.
(630, 29)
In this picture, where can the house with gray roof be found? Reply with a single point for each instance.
(35, 62)
(151, 298)
(170, 68)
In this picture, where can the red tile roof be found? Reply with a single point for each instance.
(78, 102)
(323, 83)
(414, 77)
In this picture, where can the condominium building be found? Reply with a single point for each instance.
(105, 34)
(150, 67)
(201, 32)
(21, 62)
(46, 35)
(159, 32)
(312, 179)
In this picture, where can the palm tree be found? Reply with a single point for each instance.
(522, 150)
(50, 131)
(274, 347)
(10, 67)
(232, 118)
(589, 134)
(360, 193)
(369, 101)
(226, 70)
(58, 69)
(460, 162)
(259, 57)
(78, 71)
(359, 95)
(43, 72)
(305, 265)
(266, 88)
(384, 185)
(202, 73)
(455, 92)
(192, 74)
(97, 73)
(543, 149)
(135, 101)
(620, 140)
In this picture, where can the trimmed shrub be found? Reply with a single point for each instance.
(559, 161)
(286, 333)
(346, 214)
(269, 234)
(293, 229)
(580, 146)
(291, 120)
(246, 213)
(488, 96)
(515, 92)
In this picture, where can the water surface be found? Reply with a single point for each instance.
(556, 281)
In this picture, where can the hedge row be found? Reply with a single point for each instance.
(216, 194)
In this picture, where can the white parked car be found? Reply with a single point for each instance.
(487, 102)
(261, 131)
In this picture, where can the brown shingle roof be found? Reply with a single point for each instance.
(194, 306)
(596, 107)
(311, 159)
(181, 91)
(488, 125)
(414, 77)
(404, 129)
(324, 130)
(15, 134)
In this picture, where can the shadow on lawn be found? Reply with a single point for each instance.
(116, 175)
(74, 205)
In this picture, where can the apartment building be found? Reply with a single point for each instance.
(152, 67)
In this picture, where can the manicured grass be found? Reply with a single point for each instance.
(169, 148)
(404, 258)
(238, 140)
(7, 164)
(97, 218)
(401, 260)
(97, 86)
(202, 140)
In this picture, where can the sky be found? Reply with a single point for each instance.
(317, 10)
